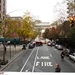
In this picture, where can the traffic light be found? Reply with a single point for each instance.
(71, 21)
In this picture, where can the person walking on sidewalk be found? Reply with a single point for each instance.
(57, 68)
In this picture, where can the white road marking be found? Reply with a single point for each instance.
(47, 49)
(50, 55)
(44, 64)
(27, 60)
(35, 60)
(37, 63)
(27, 70)
(43, 57)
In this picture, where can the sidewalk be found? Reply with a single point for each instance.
(18, 52)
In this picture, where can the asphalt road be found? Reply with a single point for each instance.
(40, 59)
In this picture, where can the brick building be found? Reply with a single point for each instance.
(2, 9)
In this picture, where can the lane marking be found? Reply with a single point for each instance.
(35, 60)
(27, 70)
(26, 61)
(47, 49)
(37, 63)
(43, 57)
(50, 55)
(46, 64)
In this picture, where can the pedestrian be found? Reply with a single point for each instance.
(57, 69)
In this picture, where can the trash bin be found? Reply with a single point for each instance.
(24, 46)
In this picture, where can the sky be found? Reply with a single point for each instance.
(40, 9)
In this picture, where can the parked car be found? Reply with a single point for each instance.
(59, 47)
(67, 52)
(56, 46)
(72, 56)
(53, 44)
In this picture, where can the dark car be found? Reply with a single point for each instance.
(38, 43)
(53, 44)
(31, 45)
(24, 46)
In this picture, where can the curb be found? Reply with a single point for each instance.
(9, 62)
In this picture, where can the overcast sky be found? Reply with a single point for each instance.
(41, 9)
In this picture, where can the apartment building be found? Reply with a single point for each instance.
(2, 9)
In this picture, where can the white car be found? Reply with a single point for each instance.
(56, 45)
(49, 44)
(59, 47)
(72, 57)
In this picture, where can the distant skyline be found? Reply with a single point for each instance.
(40, 9)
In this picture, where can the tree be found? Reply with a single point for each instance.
(60, 10)
(46, 33)
(27, 31)
(72, 34)
(65, 28)
(12, 26)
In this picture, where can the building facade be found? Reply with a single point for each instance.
(42, 25)
(2, 9)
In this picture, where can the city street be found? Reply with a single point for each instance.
(37, 36)
(40, 59)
